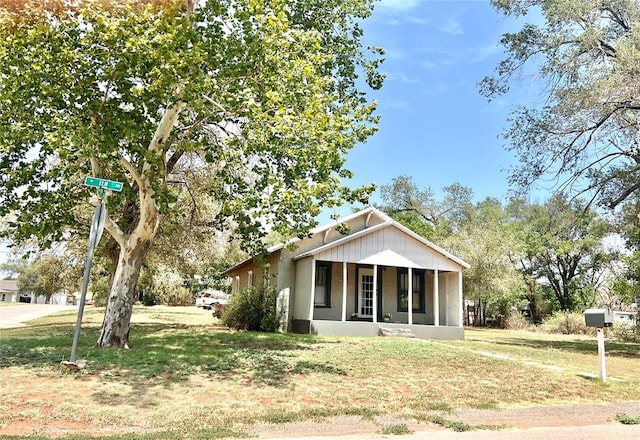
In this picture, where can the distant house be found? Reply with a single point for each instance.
(361, 275)
(9, 291)
(624, 317)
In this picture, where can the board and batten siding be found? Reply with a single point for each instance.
(389, 247)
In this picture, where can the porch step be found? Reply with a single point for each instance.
(398, 332)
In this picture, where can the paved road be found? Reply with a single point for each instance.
(16, 315)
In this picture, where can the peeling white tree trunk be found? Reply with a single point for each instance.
(134, 247)
(117, 318)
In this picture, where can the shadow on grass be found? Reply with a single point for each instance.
(614, 349)
(163, 354)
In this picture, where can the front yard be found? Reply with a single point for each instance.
(184, 373)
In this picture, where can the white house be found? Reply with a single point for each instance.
(8, 291)
(352, 276)
(624, 317)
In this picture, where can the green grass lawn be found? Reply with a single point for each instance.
(182, 372)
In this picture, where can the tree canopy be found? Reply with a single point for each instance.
(585, 55)
(264, 94)
(563, 249)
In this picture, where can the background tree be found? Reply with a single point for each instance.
(487, 241)
(29, 282)
(44, 276)
(481, 234)
(420, 211)
(587, 132)
(262, 92)
(564, 246)
(626, 285)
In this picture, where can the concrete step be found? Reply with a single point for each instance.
(398, 332)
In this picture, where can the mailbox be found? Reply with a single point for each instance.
(598, 318)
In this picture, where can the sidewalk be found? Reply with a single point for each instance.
(543, 422)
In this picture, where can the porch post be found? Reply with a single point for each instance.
(436, 300)
(410, 294)
(460, 301)
(313, 289)
(344, 291)
(375, 293)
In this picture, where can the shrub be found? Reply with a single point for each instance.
(252, 309)
(164, 286)
(567, 323)
(625, 332)
(515, 321)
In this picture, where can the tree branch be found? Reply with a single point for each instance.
(164, 128)
(114, 230)
(173, 160)
(132, 170)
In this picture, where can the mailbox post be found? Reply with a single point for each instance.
(600, 318)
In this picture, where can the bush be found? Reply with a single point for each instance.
(515, 321)
(625, 332)
(566, 323)
(179, 296)
(164, 286)
(252, 309)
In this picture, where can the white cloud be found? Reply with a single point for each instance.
(404, 78)
(487, 51)
(452, 27)
(397, 5)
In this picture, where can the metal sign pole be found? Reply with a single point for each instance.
(97, 226)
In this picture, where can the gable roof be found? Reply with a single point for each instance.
(387, 222)
(374, 222)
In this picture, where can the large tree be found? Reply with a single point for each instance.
(264, 92)
(564, 249)
(586, 133)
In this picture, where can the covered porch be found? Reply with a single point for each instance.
(358, 298)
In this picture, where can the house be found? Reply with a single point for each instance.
(621, 317)
(9, 291)
(351, 276)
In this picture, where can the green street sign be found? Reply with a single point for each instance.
(103, 183)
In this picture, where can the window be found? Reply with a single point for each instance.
(250, 279)
(417, 287)
(323, 284)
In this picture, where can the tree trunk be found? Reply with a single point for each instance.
(117, 317)
(134, 247)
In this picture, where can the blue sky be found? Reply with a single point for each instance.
(435, 126)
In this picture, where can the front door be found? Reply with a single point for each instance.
(365, 293)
